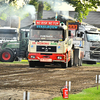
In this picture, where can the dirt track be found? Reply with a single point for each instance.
(43, 83)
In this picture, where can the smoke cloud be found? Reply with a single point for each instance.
(29, 9)
(10, 11)
(60, 6)
(11, 14)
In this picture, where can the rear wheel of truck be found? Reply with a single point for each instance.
(31, 64)
(6, 56)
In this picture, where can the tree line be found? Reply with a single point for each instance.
(82, 7)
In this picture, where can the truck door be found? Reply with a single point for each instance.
(24, 40)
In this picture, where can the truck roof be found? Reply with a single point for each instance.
(88, 28)
(96, 32)
(7, 28)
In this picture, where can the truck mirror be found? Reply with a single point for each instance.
(81, 34)
(26, 34)
(78, 35)
(69, 33)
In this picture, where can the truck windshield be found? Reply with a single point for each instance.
(46, 35)
(93, 37)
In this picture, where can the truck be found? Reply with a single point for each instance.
(51, 43)
(13, 50)
(78, 42)
(8, 34)
(91, 37)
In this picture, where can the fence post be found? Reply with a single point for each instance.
(26, 95)
(97, 80)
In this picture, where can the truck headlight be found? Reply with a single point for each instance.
(59, 57)
(32, 56)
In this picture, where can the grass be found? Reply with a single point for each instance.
(26, 62)
(92, 65)
(16, 62)
(86, 94)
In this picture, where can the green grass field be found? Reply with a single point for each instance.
(86, 94)
(26, 62)
(16, 62)
(92, 65)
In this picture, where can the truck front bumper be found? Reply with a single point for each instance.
(46, 57)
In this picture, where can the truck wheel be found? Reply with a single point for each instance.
(31, 64)
(64, 65)
(40, 64)
(6, 56)
(70, 63)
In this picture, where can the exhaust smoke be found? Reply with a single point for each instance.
(60, 7)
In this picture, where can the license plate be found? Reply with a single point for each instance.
(45, 60)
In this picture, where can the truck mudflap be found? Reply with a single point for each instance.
(42, 57)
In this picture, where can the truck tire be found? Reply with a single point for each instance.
(70, 63)
(6, 56)
(40, 64)
(65, 65)
(31, 64)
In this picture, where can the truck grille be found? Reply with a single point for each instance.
(46, 49)
(95, 48)
(96, 44)
(95, 55)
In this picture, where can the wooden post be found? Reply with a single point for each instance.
(56, 17)
(18, 28)
(97, 80)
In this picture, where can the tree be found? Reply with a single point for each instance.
(40, 11)
(39, 5)
(82, 7)
(11, 1)
(35, 3)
